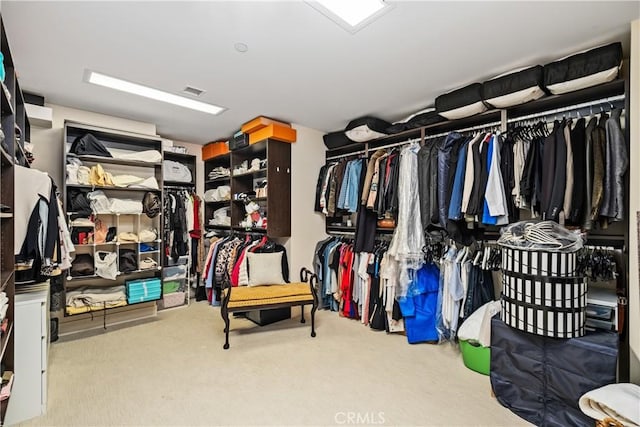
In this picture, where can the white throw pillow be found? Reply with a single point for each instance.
(265, 268)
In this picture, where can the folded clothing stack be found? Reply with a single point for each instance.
(101, 204)
(255, 165)
(221, 217)
(219, 172)
(218, 194)
(82, 300)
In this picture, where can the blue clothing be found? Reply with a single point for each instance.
(486, 216)
(353, 185)
(343, 187)
(455, 205)
(419, 306)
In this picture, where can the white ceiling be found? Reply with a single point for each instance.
(300, 67)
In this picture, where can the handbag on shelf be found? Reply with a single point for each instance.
(148, 263)
(148, 235)
(101, 231)
(107, 265)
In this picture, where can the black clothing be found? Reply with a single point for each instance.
(548, 170)
(428, 182)
(578, 148)
(321, 177)
(560, 175)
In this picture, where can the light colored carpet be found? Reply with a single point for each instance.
(173, 371)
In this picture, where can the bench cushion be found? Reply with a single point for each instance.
(273, 294)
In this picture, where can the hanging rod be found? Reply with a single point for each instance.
(178, 187)
(477, 127)
(398, 144)
(608, 100)
(341, 156)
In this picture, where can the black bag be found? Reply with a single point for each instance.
(585, 69)
(366, 129)
(422, 118)
(541, 379)
(238, 140)
(514, 88)
(151, 204)
(89, 145)
(111, 235)
(461, 103)
(128, 260)
(82, 265)
(79, 204)
(336, 140)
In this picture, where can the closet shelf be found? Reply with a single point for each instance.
(5, 340)
(219, 202)
(254, 199)
(5, 277)
(120, 273)
(594, 93)
(93, 188)
(251, 230)
(114, 161)
(174, 154)
(6, 215)
(250, 173)
(221, 179)
(87, 245)
(97, 310)
(106, 214)
(217, 227)
(6, 158)
(178, 184)
(149, 252)
(7, 108)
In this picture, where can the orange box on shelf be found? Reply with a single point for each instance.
(277, 132)
(261, 122)
(214, 149)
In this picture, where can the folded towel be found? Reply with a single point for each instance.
(618, 401)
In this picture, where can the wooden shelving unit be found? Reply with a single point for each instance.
(277, 203)
(120, 140)
(188, 160)
(12, 114)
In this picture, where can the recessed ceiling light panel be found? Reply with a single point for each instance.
(151, 93)
(352, 15)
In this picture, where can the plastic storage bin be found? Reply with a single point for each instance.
(476, 357)
(173, 299)
(142, 290)
(176, 272)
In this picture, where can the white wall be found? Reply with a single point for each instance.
(634, 206)
(307, 226)
(47, 143)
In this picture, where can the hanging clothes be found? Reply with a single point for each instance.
(408, 237)
(617, 162)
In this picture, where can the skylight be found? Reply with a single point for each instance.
(352, 15)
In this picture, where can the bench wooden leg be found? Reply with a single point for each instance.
(313, 320)
(316, 302)
(225, 316)
(302, 311)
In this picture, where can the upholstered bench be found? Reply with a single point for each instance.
(250, 298)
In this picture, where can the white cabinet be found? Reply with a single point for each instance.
(29, 394)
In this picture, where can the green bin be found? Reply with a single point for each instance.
(476, 357)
